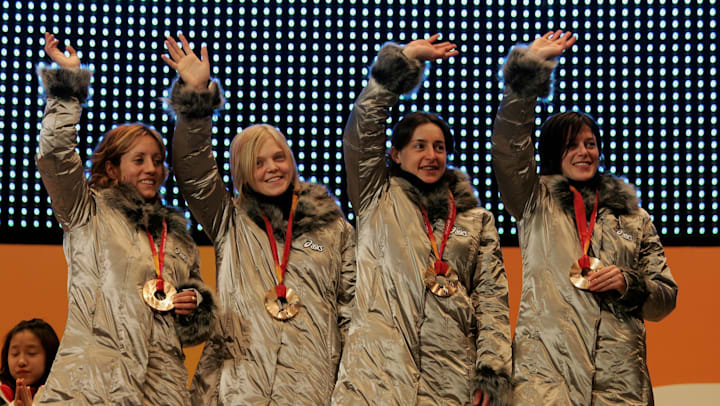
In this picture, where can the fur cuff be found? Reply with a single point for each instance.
(636, 293)
(65, 83)
(498, 385)
(528, 75)
(193, 103)
(195, 328)
(395, 71)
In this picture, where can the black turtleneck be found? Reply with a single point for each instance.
(282, 201)
(423, 187)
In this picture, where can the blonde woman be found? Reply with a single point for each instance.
(127, 254)
(284, 251)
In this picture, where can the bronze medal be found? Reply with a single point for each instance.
(282, 302)
(160, 300)
(282, 308)
(439, 277)
(578, 276)
(580, 269)
(441, 285)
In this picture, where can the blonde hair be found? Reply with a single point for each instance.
(244, 150)
(114, 145)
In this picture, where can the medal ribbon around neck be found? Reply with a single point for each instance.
(280, 268)
(159, 257)
(441, 267)
(584, 231)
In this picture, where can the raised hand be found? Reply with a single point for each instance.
(552, 44)
(428, 50)
(58, 56)
(193, 71)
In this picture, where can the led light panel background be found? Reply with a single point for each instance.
(646, 70)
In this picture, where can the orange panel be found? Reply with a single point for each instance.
(681, 348)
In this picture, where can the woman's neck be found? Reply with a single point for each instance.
(591, 183)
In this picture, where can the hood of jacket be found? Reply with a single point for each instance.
(613, 194)
(435, 199)
(316, 209)
(146, 215)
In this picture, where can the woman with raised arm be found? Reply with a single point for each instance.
(593, 265)
(431, 324)
(127, 257)
(285, 256)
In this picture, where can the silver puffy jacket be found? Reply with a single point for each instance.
(115, 349)
(253, 359)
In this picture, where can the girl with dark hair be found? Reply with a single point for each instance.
(135, 294)
(593, 265)
(285, 255)
(431, 322)
(27, 355)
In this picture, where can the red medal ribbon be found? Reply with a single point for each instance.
(584, 231)
(159, 258)
(280, 268)
(441, 267)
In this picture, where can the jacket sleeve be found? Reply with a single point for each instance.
(364, 137)
(651, 287)
(196, 327)
(346, 288)
(527, 77)
(59, 164)
(194, 164)
(492, 311)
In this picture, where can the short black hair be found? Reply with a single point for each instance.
(557, 133)
(48, 339)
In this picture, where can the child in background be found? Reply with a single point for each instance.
(27, 355)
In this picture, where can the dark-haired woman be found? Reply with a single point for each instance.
(593, 266)
(27, 355)
(431, 323)
(127, 255)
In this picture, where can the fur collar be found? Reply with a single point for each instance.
(316, 209)
(436, 201)
(146, 215)
(614, 194)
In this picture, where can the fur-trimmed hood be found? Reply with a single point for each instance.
(145, 215)
(436, 200)
(316, 209)
(614, 194)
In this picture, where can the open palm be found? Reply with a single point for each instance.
(552, 44)
(428, 50)
(58, 56)
(194, 71)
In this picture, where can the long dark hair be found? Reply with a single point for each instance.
(50, 343)
(557, 133)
